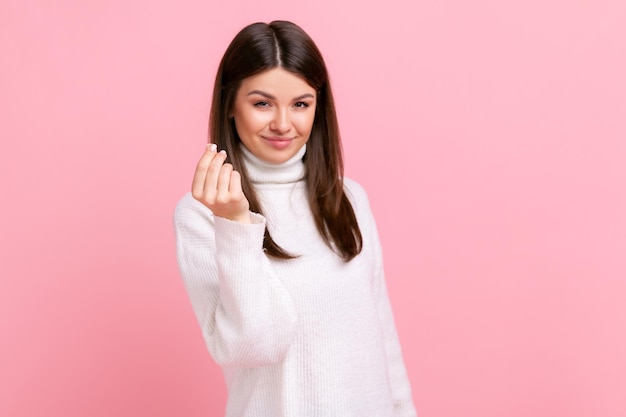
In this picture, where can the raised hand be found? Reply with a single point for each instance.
(218, 186)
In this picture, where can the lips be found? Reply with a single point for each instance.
(278, 142)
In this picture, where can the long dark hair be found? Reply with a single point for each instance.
(259, 47)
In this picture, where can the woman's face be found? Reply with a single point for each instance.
(274, 113)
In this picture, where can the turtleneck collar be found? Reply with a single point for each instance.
(261, 172)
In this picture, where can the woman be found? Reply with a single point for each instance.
(279, 252)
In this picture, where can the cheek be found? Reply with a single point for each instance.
(250, 122)
(305, 121)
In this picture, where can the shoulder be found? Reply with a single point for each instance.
(360, 204)
(356, 194)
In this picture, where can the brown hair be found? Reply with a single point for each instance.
(259, 47)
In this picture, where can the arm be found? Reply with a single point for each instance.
(399, 381)
(246, 316)
(400, 385)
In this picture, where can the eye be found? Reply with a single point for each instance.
(301, 105)
(261, 104)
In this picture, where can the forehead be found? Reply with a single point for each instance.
(277, 82)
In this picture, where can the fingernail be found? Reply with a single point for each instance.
(223, 151)
(212, 147)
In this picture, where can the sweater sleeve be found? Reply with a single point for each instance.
(246, 315)
(398, 377)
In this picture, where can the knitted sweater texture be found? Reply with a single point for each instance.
(312, 336)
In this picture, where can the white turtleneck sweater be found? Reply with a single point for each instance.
(312, 336)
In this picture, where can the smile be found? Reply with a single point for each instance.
(278, 142)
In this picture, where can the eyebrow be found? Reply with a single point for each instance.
(271, 97)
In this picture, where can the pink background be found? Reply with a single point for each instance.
(490, 135)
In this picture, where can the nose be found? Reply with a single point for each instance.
(280, 123)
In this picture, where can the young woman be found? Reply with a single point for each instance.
(279, 252)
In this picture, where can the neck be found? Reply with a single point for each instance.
(262, 172)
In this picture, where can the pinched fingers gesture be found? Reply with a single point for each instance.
(218, 186)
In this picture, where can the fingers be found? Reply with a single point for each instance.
(235, 184)
(199, 178)
(218, 186)
(223, 184)
(213, 173)
(216, 182)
